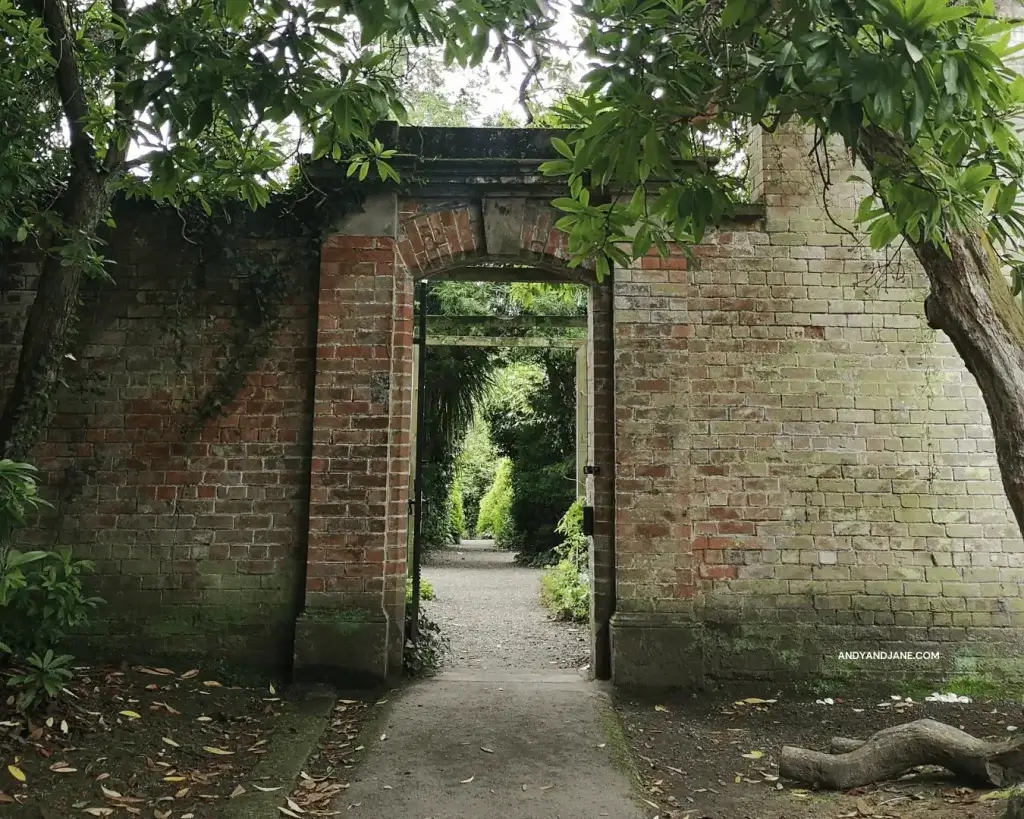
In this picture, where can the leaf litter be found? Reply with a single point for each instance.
(139, 741)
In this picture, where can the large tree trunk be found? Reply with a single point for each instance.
(50, 322)
(971, 302)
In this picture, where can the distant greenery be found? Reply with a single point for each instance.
(476, 466)
(565, 591)
(533, 424)
(495, 517)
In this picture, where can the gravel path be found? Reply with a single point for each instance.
(490, 610)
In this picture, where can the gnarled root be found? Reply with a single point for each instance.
(894, 751)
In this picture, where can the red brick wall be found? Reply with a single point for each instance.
(198, 540)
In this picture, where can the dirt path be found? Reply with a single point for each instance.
(490, 610)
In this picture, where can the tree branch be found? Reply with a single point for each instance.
(116, 155)
(69, 80)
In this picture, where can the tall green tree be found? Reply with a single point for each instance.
(919, 92)
(180, 100)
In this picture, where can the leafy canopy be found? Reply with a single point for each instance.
(921, 91)
(206, 99)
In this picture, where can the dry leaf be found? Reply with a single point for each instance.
(188, 675)
(383, 737)
(99, 811)
(204, 719)
(107, 792)
(181, 794)
(486, 750)
(266, 790)
(753, 755)
(64, 769)
(161, 814)
(467, 781)
(218, 751)
(6, 799)
(292, 805)
(171, 742)
(130, 714)
(283, 810)
(212, 684)
(238, 791)
(16, 772)
(660, 708)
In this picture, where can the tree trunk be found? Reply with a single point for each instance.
(971, 302)
(50, 321)
(1015, 805)
(893, 751)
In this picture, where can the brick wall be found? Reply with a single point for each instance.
(794, 444)
(198, 539)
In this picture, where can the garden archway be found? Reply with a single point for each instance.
(469, 216)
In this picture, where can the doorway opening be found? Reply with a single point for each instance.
(500, 547)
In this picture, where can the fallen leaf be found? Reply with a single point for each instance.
(64, 769)
(238, 791)
(171, 742)
(64, 726)
(266, 790)
(174, 779)
(272, 689)
(486, 750)
(212, 684)
(467, 781)
(99, 811)
(218, 751)
(660, 708)
(864, 809)
(383, 737)
(7, 800)
(293, 806)
(283, 810)
(16, 772)
(753, 755)
(110, 794)
(188, 675)
(130, 714)
(204, 719)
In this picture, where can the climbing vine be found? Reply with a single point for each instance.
(266, 255)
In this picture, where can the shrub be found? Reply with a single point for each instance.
(426, 590)
(496, 504)
(429, 651)
(41, 595)
(565, 589)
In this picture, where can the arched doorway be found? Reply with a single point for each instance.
(459, 222)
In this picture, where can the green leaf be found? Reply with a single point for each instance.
(236, 10)
(562, 147)
(950, 73)
(1007, 198)
(990, 199)
(883, 231)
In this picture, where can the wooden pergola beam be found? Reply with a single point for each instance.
(504, 341)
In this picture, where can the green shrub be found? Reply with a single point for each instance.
(41, 595)
(429, 651)
(565, 590)
(533, 423)
(426, 590)
(496, 504)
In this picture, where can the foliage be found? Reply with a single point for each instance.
(429, 651)
(44, 677)
(190, 102)
(533, 423)
(494, 518)
(564, 590)
(458, 511)
(476, 466)
(426, 590)
(41, 594)
(919, 91)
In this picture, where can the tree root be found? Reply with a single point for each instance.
(894, 751)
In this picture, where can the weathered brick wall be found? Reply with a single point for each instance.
(795, 445)
(198, 539)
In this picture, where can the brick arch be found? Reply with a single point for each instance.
(438, 237)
